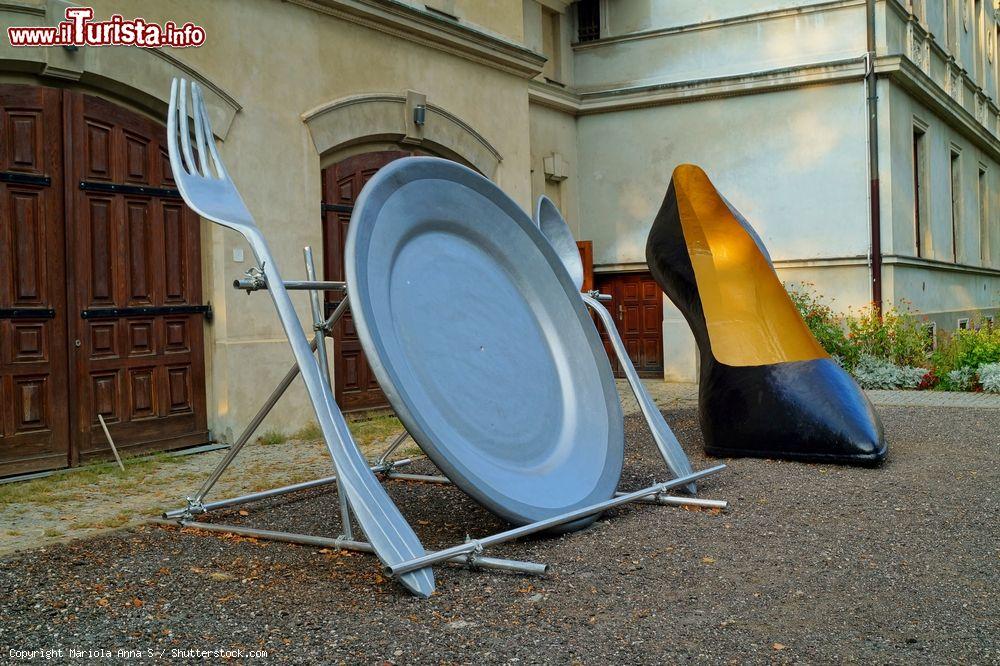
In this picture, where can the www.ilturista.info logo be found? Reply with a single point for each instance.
(80, 30)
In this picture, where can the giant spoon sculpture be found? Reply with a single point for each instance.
(550, 221)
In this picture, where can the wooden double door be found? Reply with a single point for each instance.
(637, 308)
(355, 386)
(100, 285)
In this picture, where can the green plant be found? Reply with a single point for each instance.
(897, 335)
(272, 437)
(972, 348)
(962, 379)
(879, 373)
(989, 377)
(823, 323)
(310, 432)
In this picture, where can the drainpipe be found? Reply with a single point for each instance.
(871, 91)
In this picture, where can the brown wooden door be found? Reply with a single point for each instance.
(34, 431)
(355, 387)
(637, 307)
(137, 338)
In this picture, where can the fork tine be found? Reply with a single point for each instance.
(199, 128)
(185, 131)
(175, 162)
(199, 102)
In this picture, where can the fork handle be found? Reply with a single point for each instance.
(666, 441)
(387, 530)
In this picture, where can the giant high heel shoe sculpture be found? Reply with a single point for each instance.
(767, 389)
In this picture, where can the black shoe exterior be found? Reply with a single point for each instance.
(807, 410)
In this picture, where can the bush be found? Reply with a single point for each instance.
(891, 351)
(989, 377)
(824, 323)
(972, 348)
(879, 373)
(962, 379)
(897, 336)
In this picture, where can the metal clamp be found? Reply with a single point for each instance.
(194, 507)
(254, 280)
(595, 294)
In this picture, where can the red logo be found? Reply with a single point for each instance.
(80, 30)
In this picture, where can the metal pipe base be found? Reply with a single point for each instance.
(476, 546)
(199, 508)
(472, 560)
(674, 500)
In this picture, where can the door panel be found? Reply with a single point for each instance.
(33, 367)
(355, 386)
(136, 276)
(637, 308)
(586, 249)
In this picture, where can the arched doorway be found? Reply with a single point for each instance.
(355, 387)
(100, 284)
(379, 122)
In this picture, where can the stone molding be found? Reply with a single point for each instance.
(453, 36)
(382, 117)
(719, 23)
(676, 92)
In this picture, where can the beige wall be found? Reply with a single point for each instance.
(792, 161)
(555, 132)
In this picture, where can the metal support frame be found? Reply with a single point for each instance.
(468, 553)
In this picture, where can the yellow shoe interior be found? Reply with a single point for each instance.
(751, 320)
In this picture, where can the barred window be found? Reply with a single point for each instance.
(588, 13)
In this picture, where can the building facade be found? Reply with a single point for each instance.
(117, 302)
(772, 99)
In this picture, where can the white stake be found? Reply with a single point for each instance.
(110, 441)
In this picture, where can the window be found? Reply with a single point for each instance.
(588, 14)
(919, 188)
(552, 45)
(956, 203)
(951, 24)
(963, 324)
(984, 217)
(979, 48)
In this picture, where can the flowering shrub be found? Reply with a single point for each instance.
(891, 351)
(897, 336)
(970, 348)
(824, 324)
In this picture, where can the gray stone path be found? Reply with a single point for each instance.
(684, 394)
(85, 502)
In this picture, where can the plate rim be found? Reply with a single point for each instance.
(389, 179)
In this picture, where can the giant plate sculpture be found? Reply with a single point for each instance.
(481, 342)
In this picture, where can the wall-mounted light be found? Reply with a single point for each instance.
(419, 114)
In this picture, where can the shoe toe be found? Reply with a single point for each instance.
(805, 410)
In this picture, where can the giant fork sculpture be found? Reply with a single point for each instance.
(208, 189)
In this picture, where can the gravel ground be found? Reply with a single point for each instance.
(812, 563)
